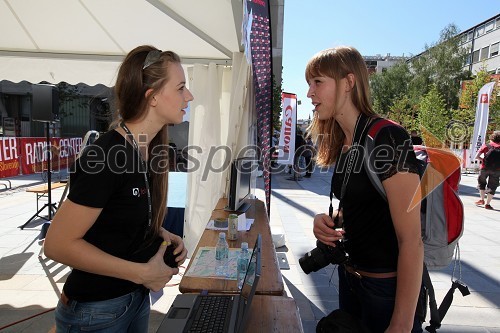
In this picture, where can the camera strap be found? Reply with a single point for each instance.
(352, 157)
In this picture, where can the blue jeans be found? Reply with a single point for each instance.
(370, 299)
(127, 313)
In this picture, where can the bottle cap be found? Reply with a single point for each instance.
(244, 246)
(222, 235)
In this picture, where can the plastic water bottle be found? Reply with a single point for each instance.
(221, 255)
(242, 264)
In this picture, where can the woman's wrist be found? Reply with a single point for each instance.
(138, 273)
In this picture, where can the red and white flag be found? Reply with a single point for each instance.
(481, 122)
(288, 124)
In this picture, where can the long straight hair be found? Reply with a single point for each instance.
(131, 85)
(337, 63)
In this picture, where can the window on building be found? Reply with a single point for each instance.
(494, 49)
(470, 35)
(490, 25)
(480, 31)
(498, 23)
(468, 59)
(484, 53)
(463, 39)
(475, 56)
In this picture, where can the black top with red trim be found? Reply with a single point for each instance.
(107, 175)
(370, 239)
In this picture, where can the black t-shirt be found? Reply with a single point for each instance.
(370, 238)
(108, 175)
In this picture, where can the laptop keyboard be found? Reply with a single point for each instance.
(212, 314)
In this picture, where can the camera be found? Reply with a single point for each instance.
(323, 254)
(169, 257)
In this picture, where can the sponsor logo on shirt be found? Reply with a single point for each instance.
(138, 192)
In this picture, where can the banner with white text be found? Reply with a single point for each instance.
(481, 122)
(288, 125)
(34, 153)
(9, 157)
(30, 155)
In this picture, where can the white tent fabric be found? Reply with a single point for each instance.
(85, 40)
(223, 103)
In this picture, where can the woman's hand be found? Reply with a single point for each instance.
(180, 251)
(323, 230)
(157, 274)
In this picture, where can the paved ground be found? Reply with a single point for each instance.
(30, 284)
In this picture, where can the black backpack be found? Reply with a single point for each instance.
(492, 158)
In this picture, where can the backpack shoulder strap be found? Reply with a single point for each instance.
(437, 315)
(435, 320)
(369, 158)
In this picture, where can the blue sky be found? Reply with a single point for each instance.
(398, 27)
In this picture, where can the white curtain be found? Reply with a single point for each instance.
(215, 121)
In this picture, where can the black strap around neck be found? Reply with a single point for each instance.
(360, 130)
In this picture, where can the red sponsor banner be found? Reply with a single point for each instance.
(29, 155)
(9, 161)
(34, 153)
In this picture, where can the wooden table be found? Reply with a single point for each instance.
(273, 314)
(271, 281)
(40, 192)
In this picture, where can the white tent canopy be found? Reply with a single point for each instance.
(85, 40)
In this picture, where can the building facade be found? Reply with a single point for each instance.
(379, 63)
(482, 44)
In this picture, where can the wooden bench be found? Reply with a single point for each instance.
(40, 192)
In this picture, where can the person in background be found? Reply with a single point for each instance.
(109, 229)
(381, 282)
(488, 179)
(308, 156)
(299, 150)
(416, 140)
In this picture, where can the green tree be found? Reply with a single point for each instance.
(433, 115)
(441, 64)
(67, 94)
(389, 86)
(403, 112)
(468, 100)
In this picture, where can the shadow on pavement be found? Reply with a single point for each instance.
(11, 264)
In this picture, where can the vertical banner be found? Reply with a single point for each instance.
(9, 157)
(481, 122)
(288, 126)
(259, 24)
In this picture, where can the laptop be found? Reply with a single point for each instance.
(193, 312)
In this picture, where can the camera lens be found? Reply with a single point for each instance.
(321, 256)
(314, 260)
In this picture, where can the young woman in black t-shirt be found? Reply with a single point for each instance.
(380, 283)
(109, 230)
